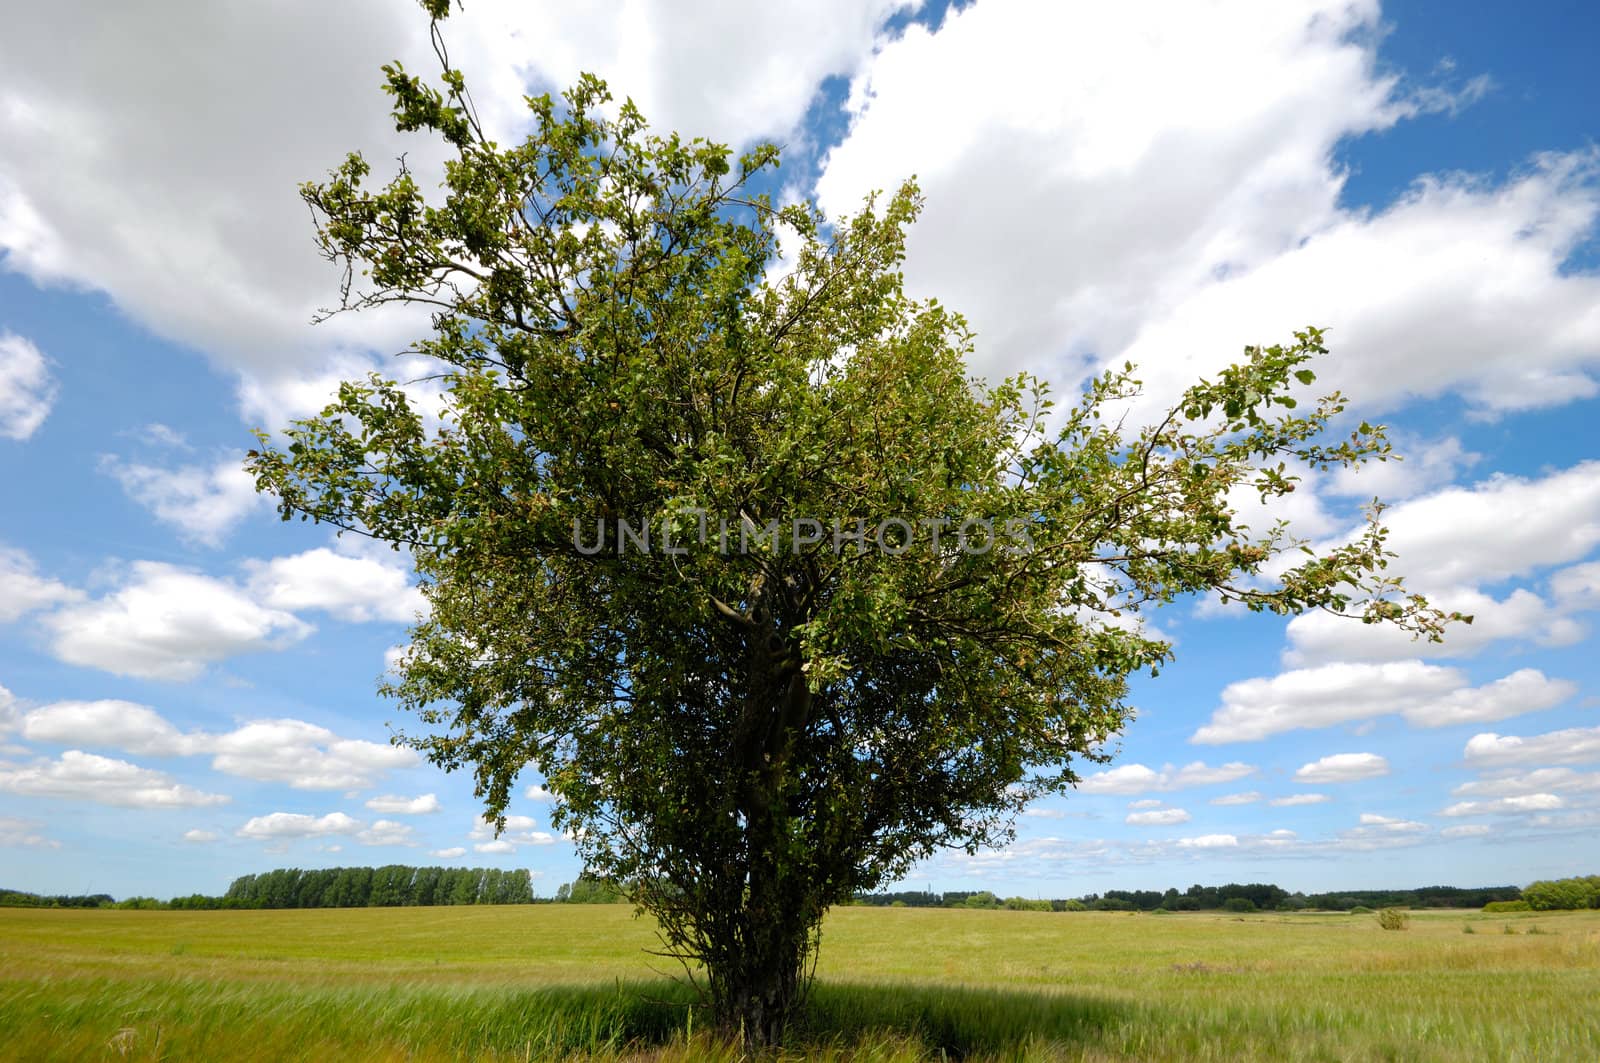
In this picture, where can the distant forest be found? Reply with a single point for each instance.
(397, 885)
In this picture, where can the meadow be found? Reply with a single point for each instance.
(534, 982)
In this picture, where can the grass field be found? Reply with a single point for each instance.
(559, 981)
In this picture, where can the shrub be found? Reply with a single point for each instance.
(1361, 909)
(1074, 906)
(1394, 918)
(1563, 894)
(1239, 904)
(1466, 928)
(1506, 906)
(1160, 911)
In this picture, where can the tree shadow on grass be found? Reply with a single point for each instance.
(950, 1020)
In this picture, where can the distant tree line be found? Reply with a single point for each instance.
(397, 885)
(1248, 897)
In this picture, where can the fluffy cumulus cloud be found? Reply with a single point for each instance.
(1453, 542)
(23, 590)
(1295, 800)
(454, 852)
(1343, 767)
(1194, 152)
(518, 831)
(1247, 797)
(202, 502)
(1164, 817)
(1425, 695)
(1575, 745)
(1381, 832)
(113, 723)
(304, 755)
(1138, 779)
(200, 837)
(277, 826)
(1506, 805)
(393, 804)
(1540, 780)
(168, 623)
(386, 832)
(27, 390)
(350, 588)
(120, 169)
(81, 776)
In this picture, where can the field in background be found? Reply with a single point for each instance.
(548, 981)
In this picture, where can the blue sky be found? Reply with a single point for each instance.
(187, 684)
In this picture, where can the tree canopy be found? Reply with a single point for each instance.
(775, 596)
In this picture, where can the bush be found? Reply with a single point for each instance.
(1394, 918)
(1074, 906)
(1563, 894)
(1361, 909)
(1160, 911)
(1239, 904)
(1506, 906)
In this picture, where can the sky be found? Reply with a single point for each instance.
(187, 684)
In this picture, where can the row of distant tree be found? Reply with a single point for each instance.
(1238, 897)
(398, 885)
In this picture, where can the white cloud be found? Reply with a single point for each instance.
(216, 253)
(386, 832)
(23, 834)
(1165, 817)
(77, 775)
(298, 753)
(23, 591)
(1249, 797)
(1381, 832)
(538, 793)
(1149, 802)
(1319, 638)
(1138, 779)
(350, 588)
(1209, 841)
(1466, 830)
(1293, 800)
(1575, 745)
(1421, 466)
(10, 719)
(407, 806)
(1506, 805)
(1578, 587)
(519, 830)
(1343, 767)
(1043, 813)
(298, 825)
(168, 623)
(203, 502)
(455, 852)
(1425, 695)
(305, 756)
(1413, 310)
(499, 845)
(1541, 780)
(123, 725)
(199, 837)
(27, 391)
(1182, 228)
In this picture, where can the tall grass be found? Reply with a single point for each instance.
(572, 982)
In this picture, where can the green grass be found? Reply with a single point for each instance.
(554, 981)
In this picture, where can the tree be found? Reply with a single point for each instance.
(776, 598)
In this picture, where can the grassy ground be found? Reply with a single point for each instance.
(551, 981)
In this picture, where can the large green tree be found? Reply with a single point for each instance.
(774, 595)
